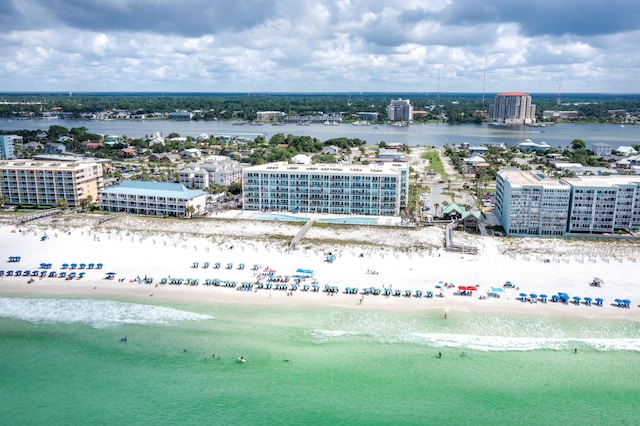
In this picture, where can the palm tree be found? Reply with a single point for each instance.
(62, 204)
(189, 210)
(3, 200)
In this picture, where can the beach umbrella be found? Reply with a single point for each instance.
(626, 302)
(523, 296)
(599, 300)
(543, 296)
(576, 299)
(533, 296)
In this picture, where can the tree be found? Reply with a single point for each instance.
(189, 210)
(578, 144)
(86, 202)
(62, 204)
(3, 200)
(235, 188)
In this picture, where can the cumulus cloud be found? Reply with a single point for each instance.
(305, 45)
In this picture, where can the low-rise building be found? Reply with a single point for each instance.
(602, 149)
(181, 115)
(153, 198)
(218, 169)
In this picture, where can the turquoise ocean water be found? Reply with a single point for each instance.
(62, 362)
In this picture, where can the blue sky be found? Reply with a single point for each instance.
(327, 46)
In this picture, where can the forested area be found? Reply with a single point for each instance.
(452, 108)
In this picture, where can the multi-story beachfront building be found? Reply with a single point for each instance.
(604, 204)
(376, 189)
(529, 204)
(400, 110)
(512, 108)
(588, 204)
(7, 142)
(152, 198)
(218, 169)
(34, 182)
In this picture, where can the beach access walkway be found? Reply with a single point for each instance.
(450, 246)
(34, 216)
(296, 240)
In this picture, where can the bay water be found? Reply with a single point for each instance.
(430, 134)
(63, 361)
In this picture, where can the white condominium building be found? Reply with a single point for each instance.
(215, 169)
(7, 146)
(43, 183)
(604, 204)
(400, 110)
(512, 108)
(529, 204)
(588, 204)
(375, 189)
(152, 198)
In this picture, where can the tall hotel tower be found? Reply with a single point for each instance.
(512, 108)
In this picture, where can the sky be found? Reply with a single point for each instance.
(350, 46)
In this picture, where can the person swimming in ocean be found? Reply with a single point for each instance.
(123, 339)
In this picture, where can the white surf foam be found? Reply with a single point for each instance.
(97, 313)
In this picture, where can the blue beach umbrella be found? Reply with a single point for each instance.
(533, 296)
(588, 300)
(599, 300)
(523, 294)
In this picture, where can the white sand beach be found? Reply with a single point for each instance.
(367, 256)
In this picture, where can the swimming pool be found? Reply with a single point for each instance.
(277, 216)
(350, 220)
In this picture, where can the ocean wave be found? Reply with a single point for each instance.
(326, 336)
(96, 313)
(482, 343)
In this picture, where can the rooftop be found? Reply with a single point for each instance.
(157, 189)
(390, 168)
(526, 178)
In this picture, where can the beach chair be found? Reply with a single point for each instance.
(205, 265)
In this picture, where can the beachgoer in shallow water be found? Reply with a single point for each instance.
(439, 354)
